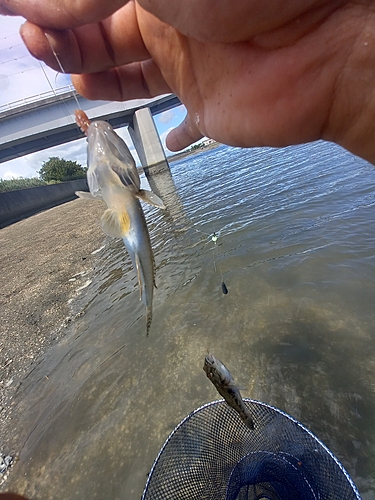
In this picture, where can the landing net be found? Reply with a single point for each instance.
(212, 455)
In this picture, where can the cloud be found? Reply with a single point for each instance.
(11, 175)
(166, 116)
(17, 167)
(75, 151)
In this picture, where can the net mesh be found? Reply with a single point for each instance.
(212, 455)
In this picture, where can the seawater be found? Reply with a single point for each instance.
(296, 249)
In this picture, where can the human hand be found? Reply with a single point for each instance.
(249, 73)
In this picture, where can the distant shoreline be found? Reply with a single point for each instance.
(183, 154)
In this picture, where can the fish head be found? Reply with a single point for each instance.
(218, 373)
(215, 370)
(209, 362)
(107, 148)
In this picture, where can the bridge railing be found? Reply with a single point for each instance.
(10, 106)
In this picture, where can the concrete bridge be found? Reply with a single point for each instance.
(41, 123)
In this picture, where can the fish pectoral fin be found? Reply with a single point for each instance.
(150, 198)
(85, 195)
(232, 385)
(114, 223)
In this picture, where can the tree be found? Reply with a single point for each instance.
(58, 169)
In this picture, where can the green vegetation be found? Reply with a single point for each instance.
(58, 169)
(53, 171)
(195, 146)
(13, 184)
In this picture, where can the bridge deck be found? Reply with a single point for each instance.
(34, 126)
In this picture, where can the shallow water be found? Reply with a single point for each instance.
(296, 251)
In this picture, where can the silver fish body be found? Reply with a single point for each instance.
(224, 383)
(138, 245)
(113, 177)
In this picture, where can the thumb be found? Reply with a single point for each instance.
(185, 134)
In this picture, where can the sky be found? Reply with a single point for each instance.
(23, 77)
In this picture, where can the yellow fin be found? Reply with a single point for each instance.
(115, 224)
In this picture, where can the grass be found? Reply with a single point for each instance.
(22, 183)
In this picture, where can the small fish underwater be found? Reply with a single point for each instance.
(224, 383)
(112, 176)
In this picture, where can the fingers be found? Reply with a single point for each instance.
(185, 134)
(238, 21)
(90, 48)
(141, 80)
(42, 44)
(60, 14)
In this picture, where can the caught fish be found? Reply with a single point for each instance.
(113, 177)
(220, 376)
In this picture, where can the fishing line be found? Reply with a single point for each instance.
(69, 114)
(61, 67)
(214, 237)
(45, 74)
(73, 92)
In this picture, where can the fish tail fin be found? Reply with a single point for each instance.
(115, 223)
(249, 422)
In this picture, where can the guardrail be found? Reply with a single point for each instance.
(16, 205)
(61, 91)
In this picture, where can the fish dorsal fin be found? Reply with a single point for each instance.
(119, 148)
(127, 174)
(85, 195)
(116, 224)
(150, 198)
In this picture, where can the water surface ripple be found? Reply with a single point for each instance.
(296, 250)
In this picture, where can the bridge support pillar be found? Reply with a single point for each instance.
(146, 139)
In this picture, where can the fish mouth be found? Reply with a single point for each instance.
(208, 367)
(209, 359)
